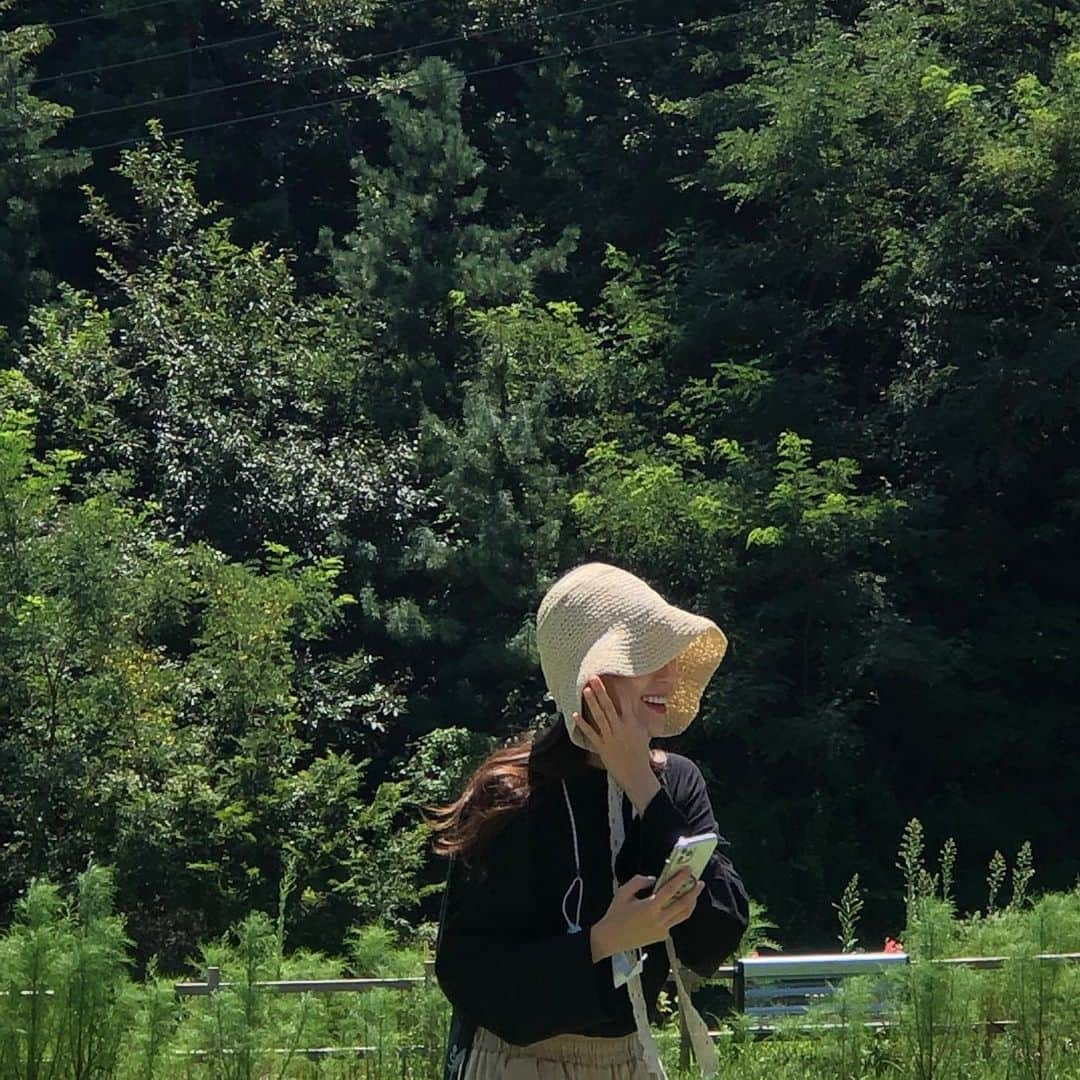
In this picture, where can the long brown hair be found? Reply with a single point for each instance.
(502, 785)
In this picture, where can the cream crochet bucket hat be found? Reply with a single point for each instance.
(600, 620)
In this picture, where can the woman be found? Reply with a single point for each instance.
(556, 841)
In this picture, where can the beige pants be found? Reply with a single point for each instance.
(562, 1057)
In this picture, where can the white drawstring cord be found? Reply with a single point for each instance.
(628, 965)
(573, 926)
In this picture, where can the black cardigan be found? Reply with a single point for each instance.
(504, 957)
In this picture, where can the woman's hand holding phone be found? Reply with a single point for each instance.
(630, 923)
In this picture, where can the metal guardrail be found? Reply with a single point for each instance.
(213, 983)
(810, 976)
(771, 986)
(312, 1053)
(1001, 961)
(780, 985)
(787, 977)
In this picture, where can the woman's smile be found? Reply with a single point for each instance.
(641, 700)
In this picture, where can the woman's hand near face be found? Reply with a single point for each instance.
(621, 743)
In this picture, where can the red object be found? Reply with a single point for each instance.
(893, 946)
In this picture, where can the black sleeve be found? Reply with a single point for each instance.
(521, 987)
(713, 931)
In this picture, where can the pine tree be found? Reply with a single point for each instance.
(28, 169)
(423, 247)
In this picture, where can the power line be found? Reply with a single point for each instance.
(106, 14)
(138, 140)
(128, 11)
(165, 100)
(208, 47)
(471, 35)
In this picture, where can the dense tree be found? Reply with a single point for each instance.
(775, 304)
(929, 326)
(422, 249)
(28, 169)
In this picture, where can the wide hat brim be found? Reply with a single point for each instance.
(599, 619)
(695, 642)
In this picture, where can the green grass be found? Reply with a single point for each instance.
(86, 1018)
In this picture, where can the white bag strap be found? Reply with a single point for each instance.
(700, 1040)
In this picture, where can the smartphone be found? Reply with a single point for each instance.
(691, 851)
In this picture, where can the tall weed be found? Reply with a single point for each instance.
(67, 993)
(32, 955)
(94, 996)
(69, 1010)
(146, 1052)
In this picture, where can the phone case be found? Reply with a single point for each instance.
(691, 851)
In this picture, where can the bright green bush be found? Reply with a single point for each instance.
(86, 1018)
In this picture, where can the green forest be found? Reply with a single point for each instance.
(333, 331)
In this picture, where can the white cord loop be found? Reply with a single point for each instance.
(628, 965)
(573, 926)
